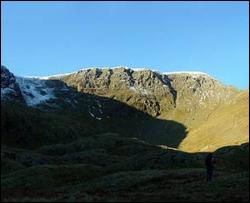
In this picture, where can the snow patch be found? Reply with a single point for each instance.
(34, 90)
(133, 89)
(144, 91)
(94, 116)
(141, 69)
(99, 104)
(140, 90)
(137, 69)
(5, 91)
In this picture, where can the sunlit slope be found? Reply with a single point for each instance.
(227, 125)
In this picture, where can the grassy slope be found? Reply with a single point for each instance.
(32, 128)
(145, 186)
(227, 125)
(108, 167)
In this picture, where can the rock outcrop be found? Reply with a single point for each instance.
(10, 90)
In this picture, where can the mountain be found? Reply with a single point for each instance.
(122, 135)
(194, 99)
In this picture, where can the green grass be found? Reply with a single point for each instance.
(50, 176)
(128, 170)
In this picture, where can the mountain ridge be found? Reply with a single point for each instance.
(190, 98)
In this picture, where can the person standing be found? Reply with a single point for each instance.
(209, 162)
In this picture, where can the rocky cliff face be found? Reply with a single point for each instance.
(168, 95)
(198, 95)
(10, 89)
(141, 89)
(36, 92)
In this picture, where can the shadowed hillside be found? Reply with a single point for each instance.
(109, 167)
(31, 128)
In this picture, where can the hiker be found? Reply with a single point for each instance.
(209, 162)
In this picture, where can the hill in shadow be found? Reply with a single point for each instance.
(111, 167)
(61, 121)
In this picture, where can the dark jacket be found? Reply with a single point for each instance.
(209, 161)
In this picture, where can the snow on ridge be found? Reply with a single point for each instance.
(136, 69)
(141, 69)
(185, 72)
(88, 68)
(34, 90)
(50, 76)
(113, 67)
(193, 73)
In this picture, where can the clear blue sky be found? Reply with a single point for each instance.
(44, 38)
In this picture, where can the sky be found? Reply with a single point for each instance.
(46, 38)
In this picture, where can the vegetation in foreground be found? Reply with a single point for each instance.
(108, 167)
(78, 162)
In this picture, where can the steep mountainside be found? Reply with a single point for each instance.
(178, 95)
(194, 99)
(198, 95)
(227, 125)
